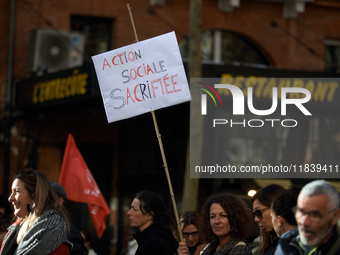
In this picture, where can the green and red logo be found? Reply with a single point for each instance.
(204, 97)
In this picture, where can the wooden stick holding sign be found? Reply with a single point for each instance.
(141, 76)
(167, 175)
(132, 22)
(161, 147)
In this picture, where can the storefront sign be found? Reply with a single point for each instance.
(59, 87)
(323, 90)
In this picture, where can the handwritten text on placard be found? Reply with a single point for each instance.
(142, 76)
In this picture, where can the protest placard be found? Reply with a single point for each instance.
(142, 76)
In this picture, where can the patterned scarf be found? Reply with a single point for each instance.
(227, 248)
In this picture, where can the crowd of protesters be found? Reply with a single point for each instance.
(297, 221)
(301, 221)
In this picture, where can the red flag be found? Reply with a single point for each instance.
(80, 185)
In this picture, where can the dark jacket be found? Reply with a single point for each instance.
(284, 242)
(77, 241)
(193, 249)
(274, 239)
(156, 240)
(290, 246)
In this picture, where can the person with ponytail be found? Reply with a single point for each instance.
(41, 225)
(147, 213)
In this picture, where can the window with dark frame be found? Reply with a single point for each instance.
(97, 31)
(225, 47)
(332, 56)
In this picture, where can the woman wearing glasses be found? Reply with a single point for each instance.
(42, 224)
(189, 226)
(261, 211)
(225, 225)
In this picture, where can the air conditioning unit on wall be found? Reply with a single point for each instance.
(51, 51)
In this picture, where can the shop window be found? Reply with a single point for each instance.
(98, 33)
(225, 47)
(332, 56)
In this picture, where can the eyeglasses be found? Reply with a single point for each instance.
(259, 212)
(193, 234)
(314, 216)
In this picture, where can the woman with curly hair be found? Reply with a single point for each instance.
(225, 224)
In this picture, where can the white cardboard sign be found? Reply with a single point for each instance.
(142, 76)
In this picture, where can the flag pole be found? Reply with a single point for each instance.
(167, 174)
(160, 145)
